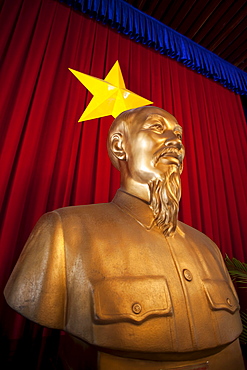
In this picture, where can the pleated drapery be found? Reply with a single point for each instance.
(149, 31)
(49, 160)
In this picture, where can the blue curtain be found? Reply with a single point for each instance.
(144, 29)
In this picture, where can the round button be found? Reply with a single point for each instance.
(229, 302)
(136, 308)
(187, 275)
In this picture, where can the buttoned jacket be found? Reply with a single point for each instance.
(106, 274)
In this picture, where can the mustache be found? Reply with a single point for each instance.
(179, 152)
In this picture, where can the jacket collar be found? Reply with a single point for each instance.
(135, 207)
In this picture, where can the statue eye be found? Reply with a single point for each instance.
(157, 127)
(179, 135)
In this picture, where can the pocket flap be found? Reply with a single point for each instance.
(220, 295)
(131, 299)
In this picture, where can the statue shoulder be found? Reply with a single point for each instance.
(196, 236)
(83, 212)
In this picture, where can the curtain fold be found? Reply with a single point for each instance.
(49, 160)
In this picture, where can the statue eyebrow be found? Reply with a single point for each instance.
(162, 120)
(153, 117)
(178, 128)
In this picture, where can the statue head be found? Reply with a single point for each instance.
(145, 144)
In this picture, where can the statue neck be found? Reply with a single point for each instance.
(135, 188)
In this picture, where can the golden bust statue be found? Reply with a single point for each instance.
(126, 278)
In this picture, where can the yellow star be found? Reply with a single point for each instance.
(110, 95)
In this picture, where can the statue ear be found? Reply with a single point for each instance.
(117, 146)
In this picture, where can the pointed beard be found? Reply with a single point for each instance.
(164, 200)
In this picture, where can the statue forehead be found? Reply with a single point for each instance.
(140, 115)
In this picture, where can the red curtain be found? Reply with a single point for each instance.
(48, 160)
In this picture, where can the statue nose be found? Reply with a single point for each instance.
(173, 140)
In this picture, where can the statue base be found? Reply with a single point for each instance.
(78, 355)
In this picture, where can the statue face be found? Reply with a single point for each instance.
(154, 142)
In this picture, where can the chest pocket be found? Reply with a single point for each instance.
(131, 299)
(220, 295)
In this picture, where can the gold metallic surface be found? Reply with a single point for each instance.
(126, 277)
